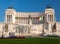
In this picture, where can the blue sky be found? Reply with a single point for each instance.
(29, 6)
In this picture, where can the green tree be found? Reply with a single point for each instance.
(54, 28)
(6, 27)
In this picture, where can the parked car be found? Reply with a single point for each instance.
(50, 35)
(28, 37)
(20, 36)
(12, 37)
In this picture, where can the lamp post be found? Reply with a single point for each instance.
(42, 20)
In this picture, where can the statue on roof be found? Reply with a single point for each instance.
(49, 6)
(10, 7)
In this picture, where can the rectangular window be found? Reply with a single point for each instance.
(9, 18)
(48, 18)
(51, 18)
(21, 20)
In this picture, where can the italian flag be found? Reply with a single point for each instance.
(41, 18)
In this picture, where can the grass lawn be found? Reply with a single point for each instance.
(31, 41)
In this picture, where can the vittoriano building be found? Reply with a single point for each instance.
(29, 23)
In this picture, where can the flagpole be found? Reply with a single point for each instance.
(43, 27)
(42, 19)
(29, 23)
